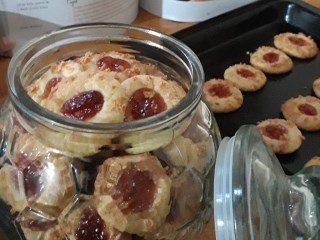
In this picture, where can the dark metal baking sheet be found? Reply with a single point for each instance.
(227, 39)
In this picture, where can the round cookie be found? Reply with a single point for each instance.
(271, 60)
(296, 45)
(315, 161)
(84, 222)
(280, 135)
(150, 95)
(83, 96)
(316, 87)
(99, 99)
(43, 86)
(303, 111)
(38, 177)
(222, 96)
(245, 77)
(134, 193)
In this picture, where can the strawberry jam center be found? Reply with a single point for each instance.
(220, 90)
(271, 57)
(274, 131)
(245, 73)
(91, 226)
(83, 106)
(114, 64)
(136, 189)
(144, 103)
(297, 41)
(50, 84)
(307, 109)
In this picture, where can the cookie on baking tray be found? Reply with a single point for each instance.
(280, 135)
(222, 96)
(316, 87)
(303, 111)
(271, 60)
(296, 45)
(245, 77)
(314, 161)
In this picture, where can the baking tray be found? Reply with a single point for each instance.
(227, 39)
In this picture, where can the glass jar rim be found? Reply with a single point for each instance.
(27, 107)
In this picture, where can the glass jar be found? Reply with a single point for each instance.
(54, 170)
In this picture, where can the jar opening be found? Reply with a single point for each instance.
(73, 41)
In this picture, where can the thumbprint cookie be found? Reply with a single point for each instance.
(150, 95)
(135, 193)
(316, 87)
(296, 45)
(245, 77)
(314, 161)
(271, 60)
(303, 111)
(83, 221)
(280, 135)
(37, 177)
(222, 96)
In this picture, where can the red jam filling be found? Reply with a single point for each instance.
(245, 73)
(307, 109)
(144, 103)
(220, 90)
(50, 84)
(83, 106)
(91, 226)
(274, 131)
(297, 41)
(114, 64)
(136, 189)
(271, 57)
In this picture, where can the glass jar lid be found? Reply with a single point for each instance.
(255, 199)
